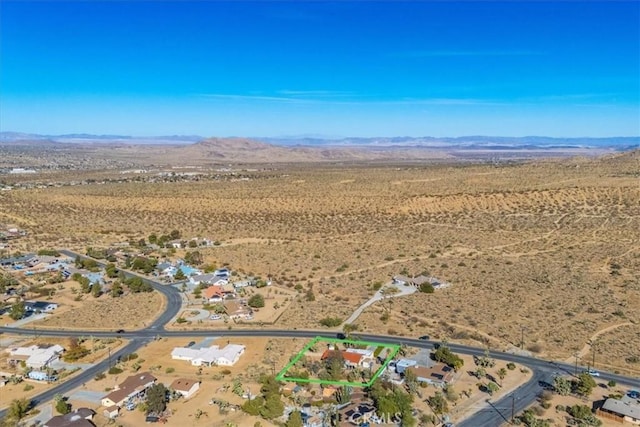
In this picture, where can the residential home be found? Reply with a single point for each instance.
(111, 412)
(40, 306)
(403, 364)
(223, 272)
(134, 386)
(19, 260)
(35, 357)
(237, 311)
(213, 294)
(81, 417)
(185, 387)
(208, 279)
(626, 409)
(211, 356)
(437, 375)
(351, 360)
(243, 284)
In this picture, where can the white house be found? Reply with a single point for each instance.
(214, 355)
(185, 387)
(34, 356)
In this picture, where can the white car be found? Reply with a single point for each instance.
(593, 373)
(215, 317)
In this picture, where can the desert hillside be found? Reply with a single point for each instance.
(550, 247)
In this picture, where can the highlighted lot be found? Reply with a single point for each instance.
(364, 359)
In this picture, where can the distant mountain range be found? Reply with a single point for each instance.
(438, 143)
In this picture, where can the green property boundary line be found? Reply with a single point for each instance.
(282, 374)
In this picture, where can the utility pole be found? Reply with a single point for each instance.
(522, 329)
(593, 350)
(109, 367)
(513, 408)
(575, 372)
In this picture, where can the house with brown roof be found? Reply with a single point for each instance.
(81, 417)
(237, 311)
(133, 387)
(438, 374)
(185, 387)
(213, 294)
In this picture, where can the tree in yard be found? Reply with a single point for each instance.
(427, 288)
(492, 387)
(75, 351)
(334, 365)
(502, 373)
(445, 355)
(153, 238)
(256, 301)
(438, 403)
(237, 387)
(611, 383)
(111, 271)
(62, 406)
(480, 372)
(411, 381)
(18, 409)
(585, 384)
(295, 420)
(273, 407)
(193, 258)
(219, 308)
(18, 310)
(562, 386)
(156, 398)
(179, 275)
(175, 234)
(96, 290)
(116, 289)
(450, 393)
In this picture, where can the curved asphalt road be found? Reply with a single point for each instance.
(493, 414)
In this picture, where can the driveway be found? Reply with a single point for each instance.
(26, 320)
(89, 396)
(202, 315)
(380, 295)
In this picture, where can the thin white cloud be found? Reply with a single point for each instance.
(344, 98)
(317, 93)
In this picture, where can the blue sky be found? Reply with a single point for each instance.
(359, 68)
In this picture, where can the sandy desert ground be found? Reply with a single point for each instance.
(547, 249)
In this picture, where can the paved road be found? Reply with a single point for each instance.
(493, 414)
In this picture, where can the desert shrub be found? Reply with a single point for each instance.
(331, 322)
(114, 370)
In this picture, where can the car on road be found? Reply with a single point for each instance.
(593, 373)
(424, 337)
(120, 331)
(341, 336)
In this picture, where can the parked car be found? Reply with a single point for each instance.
(191, 344)
(593, 373)
(120, 331)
